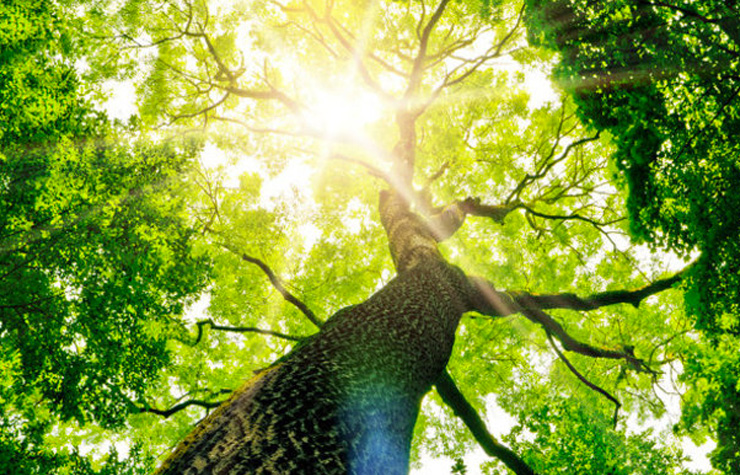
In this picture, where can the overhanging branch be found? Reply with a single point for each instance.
(570, 343)
(566, 217)
(418, 66)
(289, 297)
(210, 323)
(598, 300)
(497, 303)
(585, 381)
(451, 395)
(498, 213)
(278, 285)
(489, 301)
(184, 405)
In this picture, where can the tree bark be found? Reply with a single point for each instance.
(345, 400)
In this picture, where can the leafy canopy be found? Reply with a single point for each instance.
(661, 77)
(292, 112)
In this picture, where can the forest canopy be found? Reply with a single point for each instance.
(151, 263)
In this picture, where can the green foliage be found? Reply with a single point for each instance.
(713, 402)
(40, 98)
(658, 77)
(114, 246)
(94, 250)
(633, 70)
(559, 433)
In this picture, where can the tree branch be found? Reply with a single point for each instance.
(451, 395)
(567, 217)
(491, 53)
(275, 281)
(495, 303)
(498, 213)
(356, 56)
(585, 381)
(278, 285)
(272, 94)
(418, 66)
(554, 327)
(550, 160)
(598, 300)
(488, 301)
(210, 323)
(371, 169)
(183, 405)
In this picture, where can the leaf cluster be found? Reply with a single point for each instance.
(661, 78)
(95, 249)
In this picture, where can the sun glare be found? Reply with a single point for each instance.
(343, 113)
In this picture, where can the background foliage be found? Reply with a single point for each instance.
(128, 308)
(660, 76)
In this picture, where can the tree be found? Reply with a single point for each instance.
(406, 101)
(661, 77)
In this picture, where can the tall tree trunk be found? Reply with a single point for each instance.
(346, 399)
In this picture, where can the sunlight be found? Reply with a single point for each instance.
(343, 113)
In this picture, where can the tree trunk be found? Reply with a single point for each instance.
(346, 399)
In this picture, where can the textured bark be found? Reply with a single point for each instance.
(346, 399)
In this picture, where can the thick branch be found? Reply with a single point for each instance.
(474, 207)
(554, 327)
(451, 395)
(272, 94)
(488, 301)
(497, 303)
(598, 300)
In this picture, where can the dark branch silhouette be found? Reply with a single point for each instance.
(289, 297)
(570, 343)
(585, 380)
(210, 323)
(451, 395)
(184, 405)
(598, 300)
(498, 303)
(278, 285)
(495, 303)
